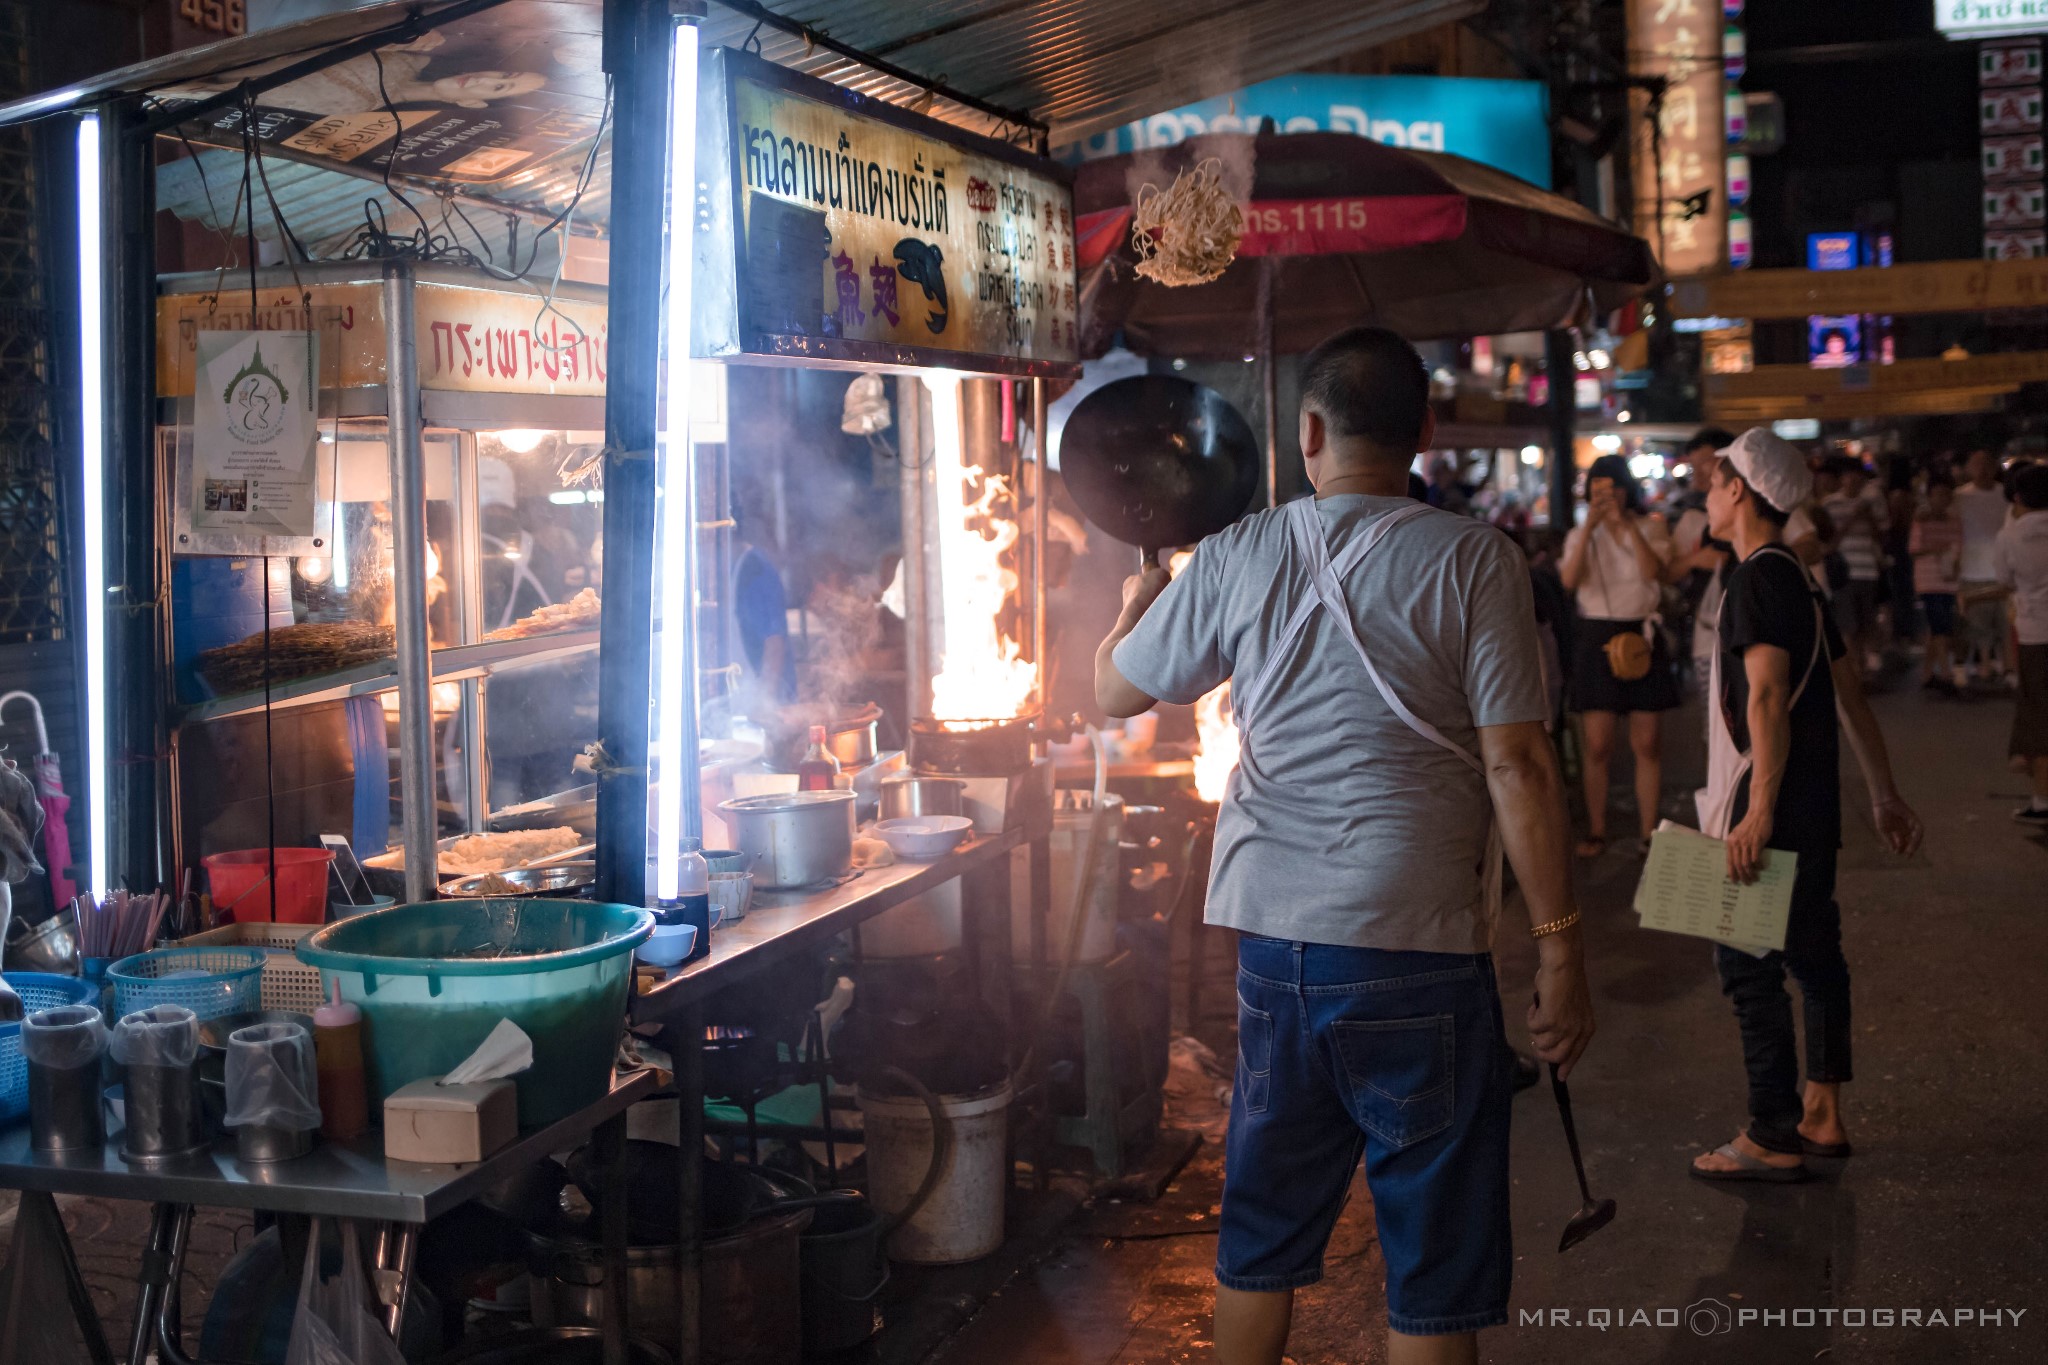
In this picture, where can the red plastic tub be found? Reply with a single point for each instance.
(241, 885)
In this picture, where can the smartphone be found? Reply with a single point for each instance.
(355, 887)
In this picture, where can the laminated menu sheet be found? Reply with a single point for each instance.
(1686, 890)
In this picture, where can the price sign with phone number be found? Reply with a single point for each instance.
(228, 17)
(1336, 226)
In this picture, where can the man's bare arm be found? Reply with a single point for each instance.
(1769, 671)
(1896, 822)
(1114, 693)
(1529, 805)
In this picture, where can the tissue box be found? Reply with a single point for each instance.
(450, 1124)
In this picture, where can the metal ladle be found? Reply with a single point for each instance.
(1593, 1214)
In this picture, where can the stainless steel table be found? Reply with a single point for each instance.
(337, 1180)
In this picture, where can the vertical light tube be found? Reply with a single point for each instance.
(675, 717)
(93, 494)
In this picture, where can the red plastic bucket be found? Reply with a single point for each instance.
(241, 884)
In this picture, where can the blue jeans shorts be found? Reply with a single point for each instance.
(1401, 1058)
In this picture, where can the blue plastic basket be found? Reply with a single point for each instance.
(38, 991)
(230, 980)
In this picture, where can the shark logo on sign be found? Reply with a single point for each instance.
(256, 400)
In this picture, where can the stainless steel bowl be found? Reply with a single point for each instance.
(562, 881)
(797, 838)
(908, 794)
(51, 946)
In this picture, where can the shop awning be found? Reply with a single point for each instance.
(1428, 244)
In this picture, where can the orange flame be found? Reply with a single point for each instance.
(982, 674)
(1216, 739)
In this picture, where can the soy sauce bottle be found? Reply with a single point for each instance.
(693, 896)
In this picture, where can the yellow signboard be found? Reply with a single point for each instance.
(1847, 406)
(468, 340)
(1906, 376)
(1928, 287)
(855, 224)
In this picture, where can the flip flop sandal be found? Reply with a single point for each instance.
(1590, 847)
(1831, 1151)
(1749, 1168)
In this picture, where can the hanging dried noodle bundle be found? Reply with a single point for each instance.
(1187, 234)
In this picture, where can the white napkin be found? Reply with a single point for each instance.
(507, 1052)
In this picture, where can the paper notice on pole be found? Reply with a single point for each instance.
(255, 432)
(1685, 890)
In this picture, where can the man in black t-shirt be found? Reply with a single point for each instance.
(1774, 785)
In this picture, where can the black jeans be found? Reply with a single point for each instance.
(1756, 985)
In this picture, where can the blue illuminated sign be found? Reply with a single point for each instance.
(1505, 124)
(1833, 251)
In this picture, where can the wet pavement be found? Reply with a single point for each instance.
(1901, 1254)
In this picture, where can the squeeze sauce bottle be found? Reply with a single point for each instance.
(338, 1055)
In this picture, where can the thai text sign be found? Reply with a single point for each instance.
(468, 340)
(1990, 18)
(1499, 123)
(254, 432)
(917, 240)
(1680, 205)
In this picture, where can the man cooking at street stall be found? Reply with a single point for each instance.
(1386, 677)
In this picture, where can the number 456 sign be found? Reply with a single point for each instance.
(215, 16)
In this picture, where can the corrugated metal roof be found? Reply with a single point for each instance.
(1080, 66)
(1076, 66)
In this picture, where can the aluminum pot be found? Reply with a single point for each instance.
(797, 838)
(907, 794)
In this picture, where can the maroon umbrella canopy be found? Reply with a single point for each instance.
(1354, 232)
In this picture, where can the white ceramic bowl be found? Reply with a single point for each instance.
(732, 893)
(670, 944)
(924, 836)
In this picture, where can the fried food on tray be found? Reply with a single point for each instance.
(294, 652)
(578, 613)
(497, 852)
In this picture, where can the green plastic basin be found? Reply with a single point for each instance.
(433, 980)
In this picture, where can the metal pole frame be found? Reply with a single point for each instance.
(1041, 526)
(914, 470)
(417, 822)
(1562, 411)
(138, 663)
(639, 42)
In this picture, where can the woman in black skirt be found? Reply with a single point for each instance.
(1615, 562)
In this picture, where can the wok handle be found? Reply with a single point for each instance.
(1149, 556)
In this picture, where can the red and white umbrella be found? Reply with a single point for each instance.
(1346, 231)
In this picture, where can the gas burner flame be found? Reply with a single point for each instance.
(1216, 738)
(981, 671)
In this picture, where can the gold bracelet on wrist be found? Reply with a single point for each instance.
(1556, 926)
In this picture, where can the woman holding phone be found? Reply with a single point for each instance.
(1615, 563)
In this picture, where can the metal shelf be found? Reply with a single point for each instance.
(450, 665)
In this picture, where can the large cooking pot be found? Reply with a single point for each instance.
(796, 838)
(1159, 461)
(909, 794)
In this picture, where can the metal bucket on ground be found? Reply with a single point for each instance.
(962, 1217)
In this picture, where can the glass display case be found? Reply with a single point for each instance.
(286, 651)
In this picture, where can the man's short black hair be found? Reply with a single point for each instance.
(1763, 505)
(1715, 438)
(1369, 382)
(2030, 487)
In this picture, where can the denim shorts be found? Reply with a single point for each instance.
(1396, 1056)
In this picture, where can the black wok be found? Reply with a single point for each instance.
(1158, 461)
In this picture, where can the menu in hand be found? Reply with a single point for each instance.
(1686, 890)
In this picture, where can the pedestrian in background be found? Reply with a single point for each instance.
(2020, 559)
(1774, 785)
(1860, 522)
(1936, 547)
(1981, 506)
(1615, 563)
(1698, 560)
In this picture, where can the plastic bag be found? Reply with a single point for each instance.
(272, 1078)
(162, 1035)
(64, 1038)
(334, 1324)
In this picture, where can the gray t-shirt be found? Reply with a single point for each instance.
(1342, 825)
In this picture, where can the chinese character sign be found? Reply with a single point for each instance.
(1681, 201)
(926, 243)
